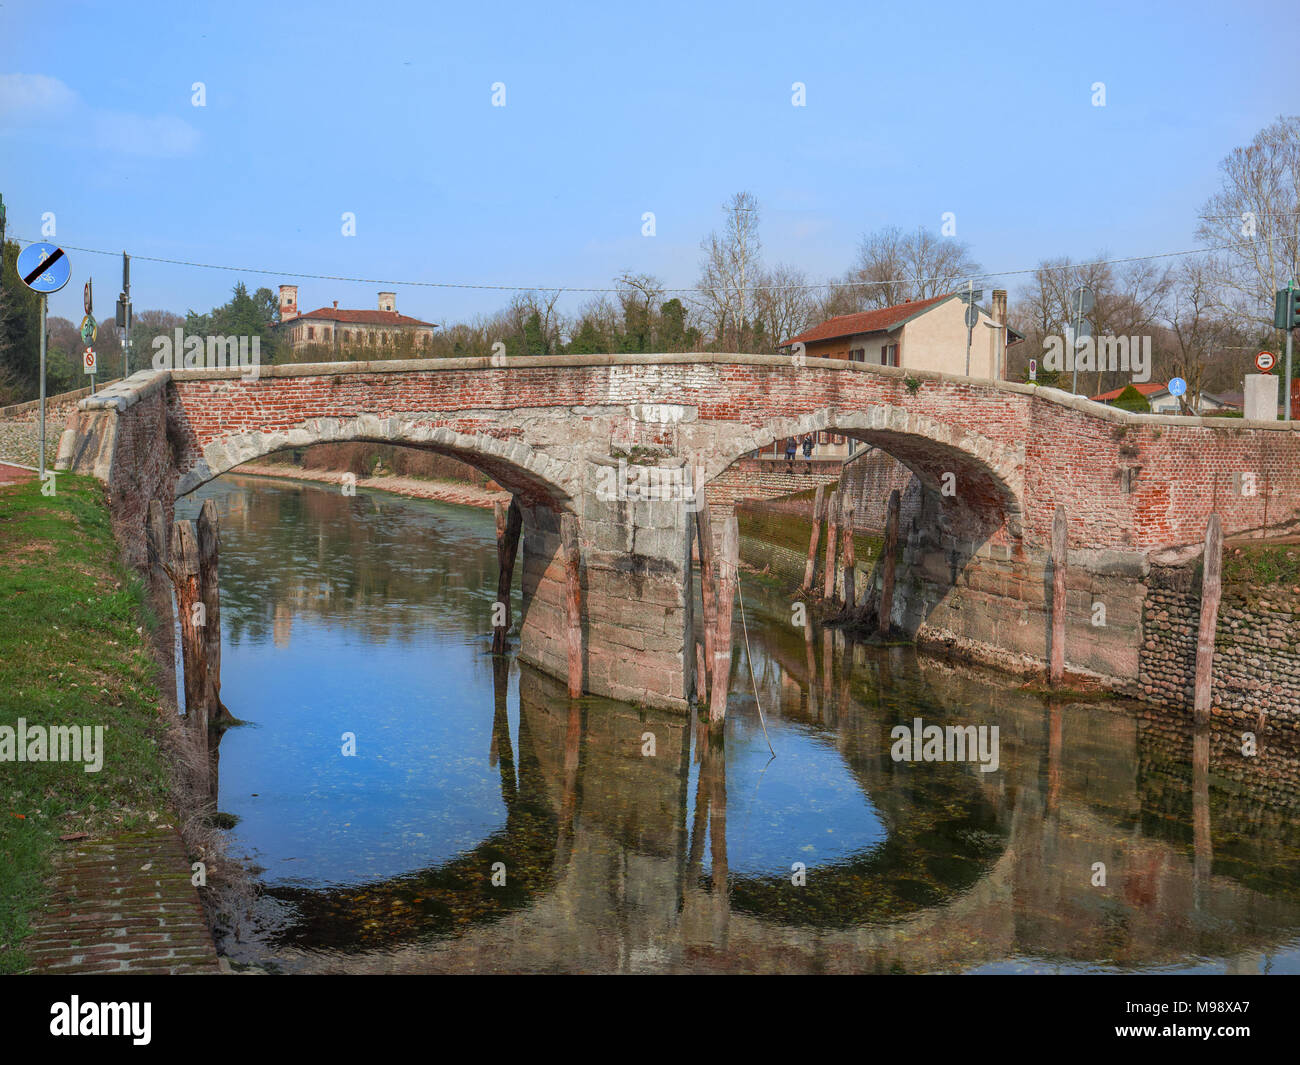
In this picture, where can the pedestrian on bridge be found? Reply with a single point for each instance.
(807, 451)
(790, 448)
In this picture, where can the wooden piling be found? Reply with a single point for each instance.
(208, 535)
(728, 560)
(509, 521)
(572, 601)
(183, 567)
(810, 569)
(887, 553)
(1060, 561)
(832, 529)
(708, 581)
(1211, 591)
(850, 591)
(158, 542)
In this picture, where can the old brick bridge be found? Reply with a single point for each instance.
(994, 460)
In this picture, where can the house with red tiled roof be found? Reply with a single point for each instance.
(382, 328)
(928, 334)
(1163, 401)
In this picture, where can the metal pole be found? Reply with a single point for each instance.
(1074, 340)
(1286, 383)
(41, 464)
(970, 302)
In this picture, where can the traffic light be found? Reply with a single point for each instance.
(1286, 308)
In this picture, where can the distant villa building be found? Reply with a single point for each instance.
(379, 329)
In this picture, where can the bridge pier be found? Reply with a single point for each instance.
(633, 568)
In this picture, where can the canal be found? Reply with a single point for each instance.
(409, 803)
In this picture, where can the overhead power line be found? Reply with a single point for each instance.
(954, 280)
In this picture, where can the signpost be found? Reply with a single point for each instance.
(44, 268)
(971, 298)
(1082, 300)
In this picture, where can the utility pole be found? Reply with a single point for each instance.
(124, 315)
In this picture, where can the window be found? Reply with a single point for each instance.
(889, 355)
(823, 437)
(311, 333)
(858, 355)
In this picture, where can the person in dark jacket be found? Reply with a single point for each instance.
(807, 451)
(790, 448)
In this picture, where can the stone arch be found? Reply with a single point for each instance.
(517, 467)
(989, 477)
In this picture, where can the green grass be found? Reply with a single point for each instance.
(73, 651)
(1262, 566)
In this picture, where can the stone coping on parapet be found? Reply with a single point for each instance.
(126, 393)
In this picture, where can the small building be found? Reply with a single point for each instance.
(1162, 400)
(341, 328)
(927, 334)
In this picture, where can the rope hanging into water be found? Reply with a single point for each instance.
(749, 660)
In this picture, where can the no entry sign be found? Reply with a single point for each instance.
(1265, 361)
(88, 361)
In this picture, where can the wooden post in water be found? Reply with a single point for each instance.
(708, 583)
(160, 592)
(810, 570)
(209, 547)
(1060, 560)
(850, 591)
(1211, 590)
(509, 521)
(572, 600)
(887, 553)
(832, 528)
(728, 560)
(183, 567)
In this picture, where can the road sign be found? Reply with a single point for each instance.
(1177, 386)
(89, 329)
(1033, 369)
(972, 316)
(43, 267)
(1082, 300)
(1265, 361)
(89, 361)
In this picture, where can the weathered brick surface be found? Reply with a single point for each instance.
(122, 904)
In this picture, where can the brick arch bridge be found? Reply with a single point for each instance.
(554, 430)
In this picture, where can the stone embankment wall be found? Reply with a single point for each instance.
(1256, 651)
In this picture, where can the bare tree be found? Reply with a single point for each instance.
(1257, 208)
(784, 304)
(894, 266)
(732, 263)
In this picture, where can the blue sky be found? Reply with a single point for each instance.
(385, 110)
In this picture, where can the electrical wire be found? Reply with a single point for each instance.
(947, 280)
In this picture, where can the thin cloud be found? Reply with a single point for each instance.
(37, 100)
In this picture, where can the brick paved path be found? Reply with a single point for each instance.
(122, 904)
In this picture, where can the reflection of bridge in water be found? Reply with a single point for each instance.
(615, 863)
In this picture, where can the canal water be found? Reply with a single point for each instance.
(410, 803)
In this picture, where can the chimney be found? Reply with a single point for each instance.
(1000, 335)
(288, 302)
(336, 305)
(388, 301)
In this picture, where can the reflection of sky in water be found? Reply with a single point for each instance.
(801, 807)
(420, 788)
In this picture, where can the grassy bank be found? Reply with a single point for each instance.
(73, 651)
(1263, 566)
